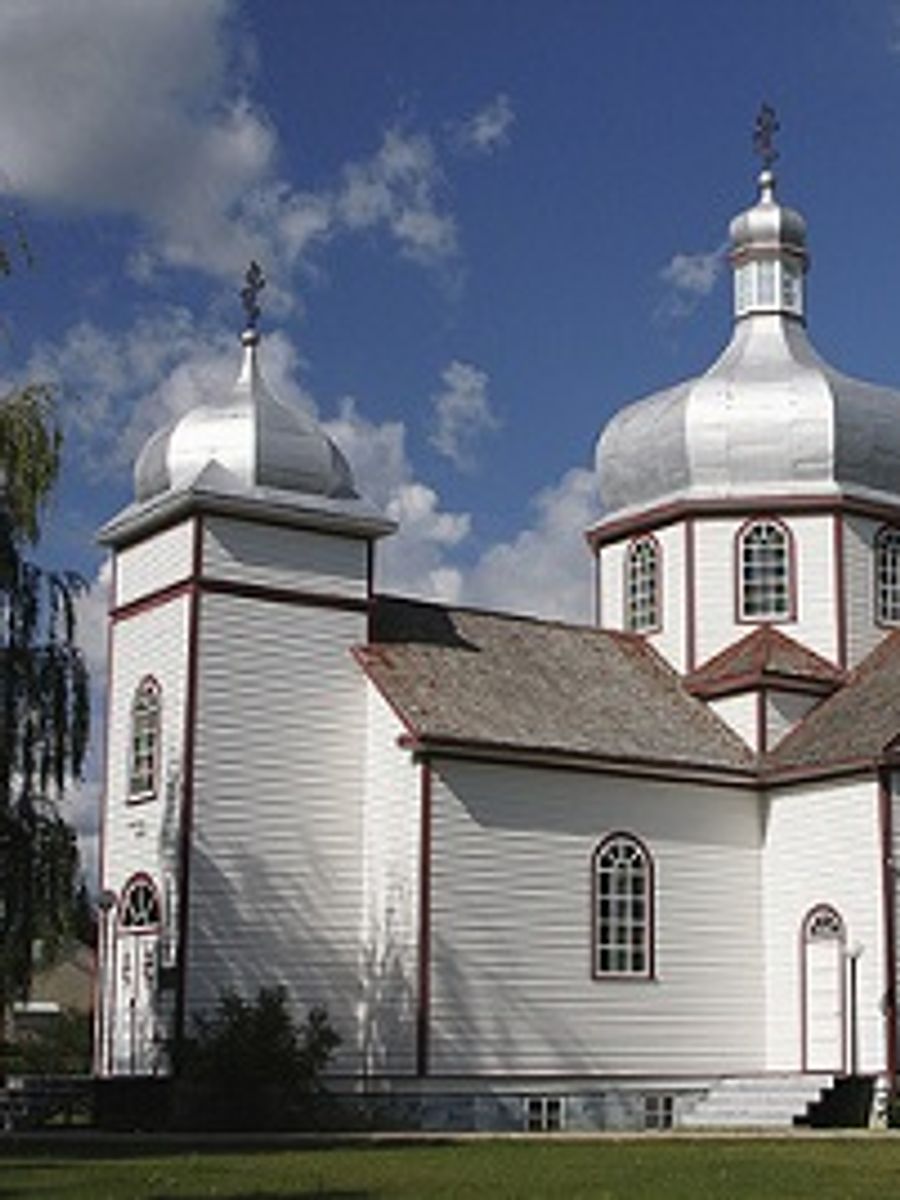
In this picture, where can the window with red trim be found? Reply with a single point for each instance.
(887, 576)
(143, 767)
(765, 572)
(642, 586)
(139, 908)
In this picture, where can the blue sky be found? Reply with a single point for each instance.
(486, 225)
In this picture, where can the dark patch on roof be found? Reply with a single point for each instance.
(484, 679)
(766, 657)
(856, 724)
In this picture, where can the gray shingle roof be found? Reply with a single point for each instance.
(461, 676)
(764, 657)
(856, 724)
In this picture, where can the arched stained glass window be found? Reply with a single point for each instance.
(139, 907)
(764, 566)
(623, 908)
(642, 607)
(887, 576)
(146, 712)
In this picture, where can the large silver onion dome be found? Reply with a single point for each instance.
(770, 416)
(257, 439)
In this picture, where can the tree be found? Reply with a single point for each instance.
(44, 704)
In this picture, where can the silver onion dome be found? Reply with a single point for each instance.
(770, 416)
(260, 441)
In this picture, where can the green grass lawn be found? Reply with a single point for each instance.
(672, 1169)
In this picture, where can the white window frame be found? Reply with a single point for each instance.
(145, 739)
(887, 576)
(544, 1114)
(623, 909)
(659, 1110)
(765, 567)
(642, 585)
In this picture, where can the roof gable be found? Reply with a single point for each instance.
(765, 658)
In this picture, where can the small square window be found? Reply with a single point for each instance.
(659, 1110)
(544, 1114)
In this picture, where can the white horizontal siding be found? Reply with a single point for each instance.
(511, 985)
(390, 930)
(156, 562)
(612, 587)
(137, 837)
(863, 634)
(784, 710)
(276, 852)
(822, 846)
(670, 641)
(279, 557)
(895, 888)
(716, 583)
(741, 713)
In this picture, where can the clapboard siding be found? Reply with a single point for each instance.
(716, 600)
(784, 710)
(670, 640)
(157, 562)
(390, 929)
(511, 985)
(279, 557)
(822, 846)
(276, 863)
(152, 643)
(741, 712)
(894, 886)
(859, 587)
(612, 586)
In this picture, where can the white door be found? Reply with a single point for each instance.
(133, 1034)
(823, 988)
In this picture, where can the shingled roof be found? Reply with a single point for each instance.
(855, 726)
(460, 677)
(766, 657)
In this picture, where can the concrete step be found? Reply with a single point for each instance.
(756, 1101)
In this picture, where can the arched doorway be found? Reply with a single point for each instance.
(823, 998)
(135, 1046)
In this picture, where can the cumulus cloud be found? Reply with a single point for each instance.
(488, 129)
(462, 413)
(689, 278)
(142, 109)
(546, 569)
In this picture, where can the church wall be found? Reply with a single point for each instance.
(155, 563)
(150, 643)
(392, 833)
(276, 556)
(612, 586)
(741, 712)
(716, 582)
(276, 879)
(859, 572)
(783, 711)
(822, 846)
(512, 990)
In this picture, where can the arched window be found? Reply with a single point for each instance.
(642, 607)
(623, 908)
(143, 768)
(139, 906)
(764, 572)
(887, 576)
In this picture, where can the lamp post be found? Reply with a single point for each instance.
(854, 953)
(106, 903)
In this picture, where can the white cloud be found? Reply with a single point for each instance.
(546, 569)
(489, 128)
(462, 412)
(414, 559)
(689, 278)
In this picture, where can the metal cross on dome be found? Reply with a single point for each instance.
(254, 282)
(764, 135)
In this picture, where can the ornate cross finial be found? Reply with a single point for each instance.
(255, 281)
(764, 135)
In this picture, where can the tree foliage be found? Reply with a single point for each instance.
(44, 704)
(249, 1066)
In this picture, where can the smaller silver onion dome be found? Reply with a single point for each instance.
(257, 439)
(768, 226)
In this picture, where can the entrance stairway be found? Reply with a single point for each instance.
(758, 1102)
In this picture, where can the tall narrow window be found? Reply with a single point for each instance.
(623, 908)
(887, 576)
(143, 767)
(764, 565)
(642, 586)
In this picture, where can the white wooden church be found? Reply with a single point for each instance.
(638, 873)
